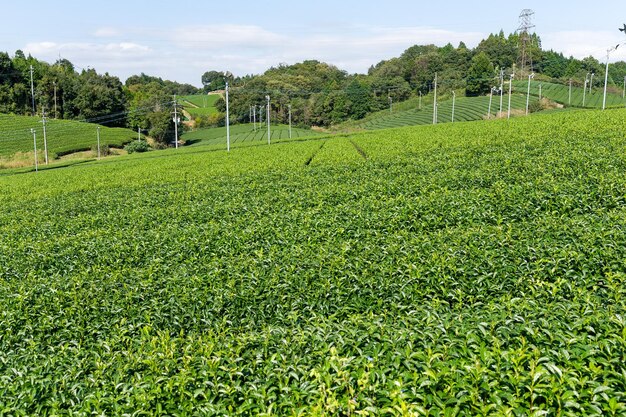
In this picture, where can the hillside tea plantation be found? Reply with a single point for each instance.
(463, 269)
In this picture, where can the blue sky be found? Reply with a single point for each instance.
(179, 40)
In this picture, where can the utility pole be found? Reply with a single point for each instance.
(510, 90)
(269, 131)
(569, 102)
(435, 103)
(32, 89)
(591, 82)
(289, 107)
(254, 116)
(490, 99)
(227, 121)
(176, 121)
(35, 146)
(98, 135)
(45, 138)
(606, 73)
(54, 83)
(585, 88)
(501, 91)
(453, 103)
(530, 77)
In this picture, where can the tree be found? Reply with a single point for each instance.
(479, 76)
(215, 80)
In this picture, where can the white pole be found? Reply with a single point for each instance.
(32, 89)
(591, 82)
(390, 102)
(510, 90)
(289, 107)
(540, 88)
(606, 74)
(254, 116)
(55, 99)
(624, 93)
(530, 77)
(139, 134)
(585, 90)
(175, 122)
(227, 121)
(501, 91)
(453, 103)
(98, 130)
(435, 102)
(420, 105)
(45, 137)
(569, 102)
(35, 146)
(269, 131)
(490, 99)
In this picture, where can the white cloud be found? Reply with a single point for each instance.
(581, 44)
(184, 53)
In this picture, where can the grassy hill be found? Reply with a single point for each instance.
(63, 136)
(458, 269)
(200, 105)
(560, 94)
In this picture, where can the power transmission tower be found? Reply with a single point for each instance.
(525, 40)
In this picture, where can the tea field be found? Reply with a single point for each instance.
(466, 109)
(561, 94)
(200, 105)
(462, 269)
(63, 136)
(244, 134)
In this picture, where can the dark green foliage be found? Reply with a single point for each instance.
(480, 76)
(137, 146)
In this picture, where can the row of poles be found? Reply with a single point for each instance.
(253, 113)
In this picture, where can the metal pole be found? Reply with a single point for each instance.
(420, 105)
(453, 103)
(254, 116)
(435, 103)
(139, 134)
(585, 91)
(591, 82)
(569, 102)
(98, 130)
(227, 121)
(501, 91)
(606, 74)
(175, 122)
(528, 93)
(269, 132)
(289, 107)
(490, 99)
(55, 99)
(390, 103)
(510, 90)
(35, 146)
(32, 89)
(45, 137)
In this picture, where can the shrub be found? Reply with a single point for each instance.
(137, 146)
